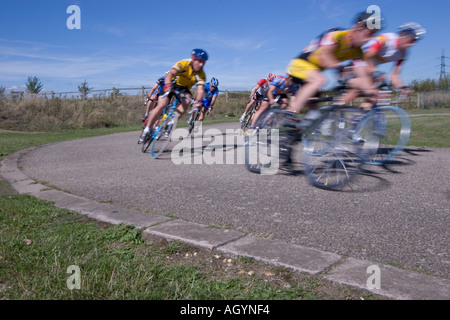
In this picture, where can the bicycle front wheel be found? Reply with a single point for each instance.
(192, 120)
(245, 124)
(161, 137)
(389, 129)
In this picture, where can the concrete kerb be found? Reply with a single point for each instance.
(395, 283)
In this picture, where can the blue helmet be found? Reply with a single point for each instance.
(214, 82)
(199, 54)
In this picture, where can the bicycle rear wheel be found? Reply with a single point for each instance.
(161, 137)
(332, 169)
(331, 157)
(261, 147)
(389, 129)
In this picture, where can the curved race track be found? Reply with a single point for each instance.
(394, 215)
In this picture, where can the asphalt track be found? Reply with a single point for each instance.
(397, 215)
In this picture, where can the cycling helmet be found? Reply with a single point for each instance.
(412, 29)
(214, 82)
(199, 54)
(270, 77)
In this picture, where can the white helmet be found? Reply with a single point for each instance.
(412, 29)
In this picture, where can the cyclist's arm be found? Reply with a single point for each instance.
(270, 95)
(327, 58)
(369, 57)
(200, 92)
(153, 89)
(171, 75)
(252, 94)
(213, 100)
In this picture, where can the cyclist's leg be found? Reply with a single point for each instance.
(203, 112)
(361, 82)
(183, 107)
(312, 84)
(156, 112)
(249, 106)
(263, 108)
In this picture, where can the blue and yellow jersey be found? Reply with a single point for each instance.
(186, 76)
(208, 95)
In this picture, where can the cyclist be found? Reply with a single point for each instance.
(328, 53)
(187, 73)
(209, 99)
(279, 88)
(210, 96)
(389, 47)
(258, 94)
(153, 95)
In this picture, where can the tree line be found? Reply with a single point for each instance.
(427, 85)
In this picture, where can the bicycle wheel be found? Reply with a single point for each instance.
(389, 129)
(146, 144)
(261, 147)
(334, 126)
(245, 124)
(161, 137)
(331, 157)
(192, 120)
(332, 169)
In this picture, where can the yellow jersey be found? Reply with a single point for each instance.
(344, 50)
(186, 76)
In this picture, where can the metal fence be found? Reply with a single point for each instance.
(434, 99)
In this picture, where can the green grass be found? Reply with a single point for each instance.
(38, 243)
(430, 131)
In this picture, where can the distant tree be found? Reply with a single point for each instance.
(2, 92)
(34, 85)
(84, 89)
(441, 84)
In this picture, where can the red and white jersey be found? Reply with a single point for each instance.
(386, 47)
(263, 87)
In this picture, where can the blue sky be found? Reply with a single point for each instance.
(131, 43)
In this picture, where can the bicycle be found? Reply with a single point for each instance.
(194, 118)
(245, 124)
(327, 135)
(389, 128)
(335, 143)
(165, 126)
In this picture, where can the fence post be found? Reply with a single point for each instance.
(423, 100)
(226, 95)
